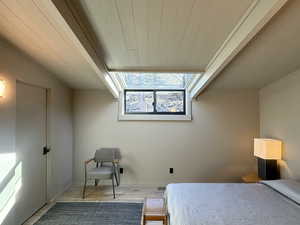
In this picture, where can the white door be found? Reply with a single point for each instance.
(30, 140)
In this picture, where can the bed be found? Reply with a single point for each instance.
(266, 203)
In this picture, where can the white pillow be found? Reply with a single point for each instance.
(289, 188)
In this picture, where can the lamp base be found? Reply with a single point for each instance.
(267, 169)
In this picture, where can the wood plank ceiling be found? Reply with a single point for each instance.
(162, 34)
(176, 35)
(35, 27)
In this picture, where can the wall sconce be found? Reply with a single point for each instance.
(2, 88)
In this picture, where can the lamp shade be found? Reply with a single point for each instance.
(267, 148)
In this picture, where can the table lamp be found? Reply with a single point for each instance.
(267, 151)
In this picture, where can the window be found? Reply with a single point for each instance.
(170, 102)
(154, 102)
(154, 95)
(156, 80)
(139, 101)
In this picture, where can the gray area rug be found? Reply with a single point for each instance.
(93, 213)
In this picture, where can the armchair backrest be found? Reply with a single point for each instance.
(107, 154)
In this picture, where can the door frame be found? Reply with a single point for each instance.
(47, 133)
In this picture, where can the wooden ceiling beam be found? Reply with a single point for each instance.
(82, 36)
(256, 17)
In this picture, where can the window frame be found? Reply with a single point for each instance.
(154, 91)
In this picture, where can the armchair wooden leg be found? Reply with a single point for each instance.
(84, 187)
(113, 186)
(117, 180)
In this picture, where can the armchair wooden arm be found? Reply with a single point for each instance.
(116, 161)
(88, 161)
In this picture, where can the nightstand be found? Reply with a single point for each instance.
(251, 178)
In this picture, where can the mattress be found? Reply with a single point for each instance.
(229, 204)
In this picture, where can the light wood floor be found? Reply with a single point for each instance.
(102, 193)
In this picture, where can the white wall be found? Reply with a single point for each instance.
(279, 118)
(16, 66)
(215, 146)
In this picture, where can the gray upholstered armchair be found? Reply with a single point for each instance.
(107, 167)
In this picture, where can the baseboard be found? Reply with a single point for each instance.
(182, 180)
(155, 183)
(57, 195)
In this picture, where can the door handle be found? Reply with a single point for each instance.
(46, 150)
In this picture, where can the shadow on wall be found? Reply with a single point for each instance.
(285, 171)
(10, 183)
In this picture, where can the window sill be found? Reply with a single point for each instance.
(155, 117)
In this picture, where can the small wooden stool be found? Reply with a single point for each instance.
(155, 210)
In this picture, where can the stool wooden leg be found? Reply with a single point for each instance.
(165, 221)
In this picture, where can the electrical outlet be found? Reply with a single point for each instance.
(171, 170)
(121, 170)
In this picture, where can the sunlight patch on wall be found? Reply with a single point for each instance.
(7, 162)
(10, 183)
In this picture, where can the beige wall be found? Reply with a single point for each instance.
(279, 118)
(215, 146)
(16, 66)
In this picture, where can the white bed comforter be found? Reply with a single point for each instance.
(229, 204)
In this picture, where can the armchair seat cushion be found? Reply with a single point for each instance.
(104, 172)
